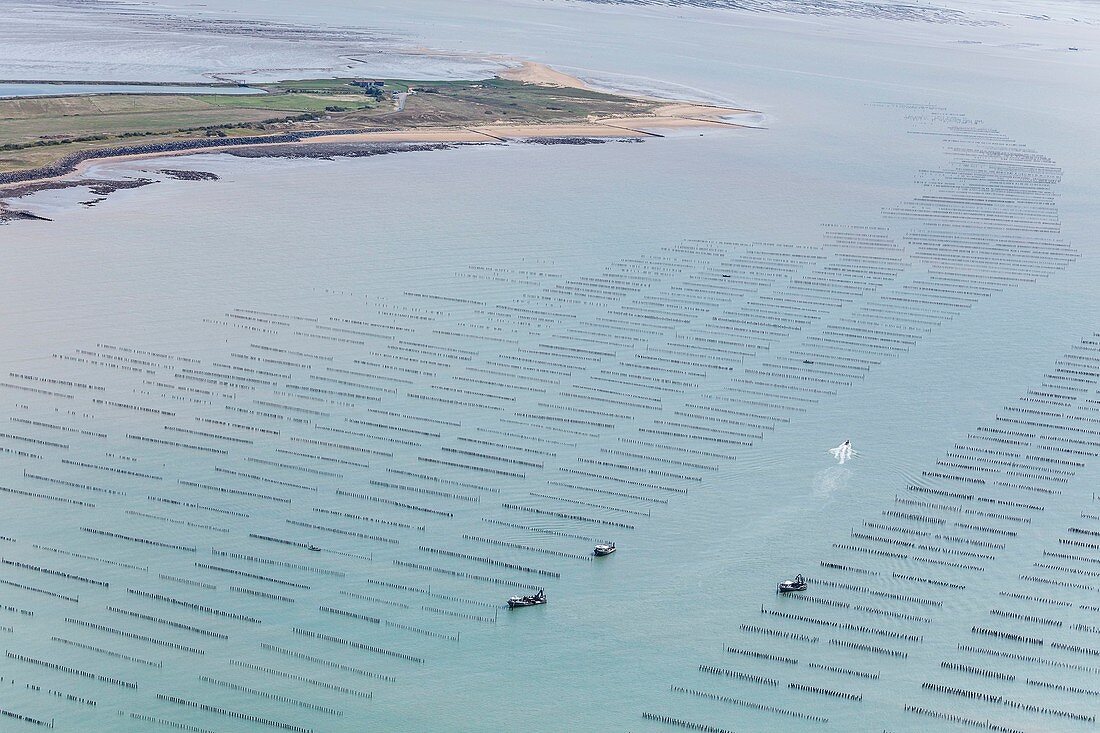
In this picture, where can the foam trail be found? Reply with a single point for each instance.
(843, 452)
(829, 481)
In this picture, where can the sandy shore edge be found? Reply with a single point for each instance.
(665, 117)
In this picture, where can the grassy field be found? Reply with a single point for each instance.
(35, 131)
(508, 101)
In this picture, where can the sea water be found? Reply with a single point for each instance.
(329, 324)
(9, 90)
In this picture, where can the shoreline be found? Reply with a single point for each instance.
(65, 172)
(683, 116)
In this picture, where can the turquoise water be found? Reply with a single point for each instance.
(8, 90)
(574, 298)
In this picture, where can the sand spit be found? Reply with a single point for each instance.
(530, 72)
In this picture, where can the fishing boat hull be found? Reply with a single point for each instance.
(523, 601)
(792, 586)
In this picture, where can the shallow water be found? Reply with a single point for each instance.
(573, 297)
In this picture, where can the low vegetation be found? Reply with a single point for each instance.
(34, 131)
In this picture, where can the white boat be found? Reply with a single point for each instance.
(520, 601)
(789, 586)
(601, 550)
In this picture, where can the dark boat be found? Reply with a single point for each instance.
(521, 601)
(789, 586)
(601, 550)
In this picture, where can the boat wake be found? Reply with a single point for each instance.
(829, 481)
(843, 452)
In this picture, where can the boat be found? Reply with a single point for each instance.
(521, 601)
(314, 548)
(602, 550)
(788, 586)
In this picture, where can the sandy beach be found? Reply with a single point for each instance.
(530, 72)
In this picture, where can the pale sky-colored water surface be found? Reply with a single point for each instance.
(404, 356)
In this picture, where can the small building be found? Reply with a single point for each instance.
(368, 83)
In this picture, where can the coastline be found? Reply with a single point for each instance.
(67, 171)
(676, 116)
